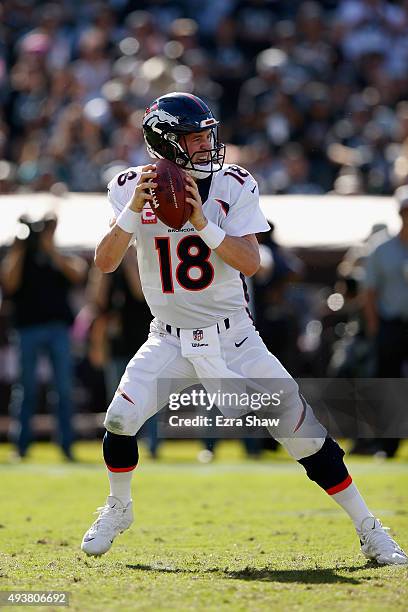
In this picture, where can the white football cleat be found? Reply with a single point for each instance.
(114, 518)
(377, 545)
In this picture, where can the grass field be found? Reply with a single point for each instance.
(233, 535)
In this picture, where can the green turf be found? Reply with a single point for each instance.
(233, 535)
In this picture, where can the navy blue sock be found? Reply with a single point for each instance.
(326, 467)
(121, 453)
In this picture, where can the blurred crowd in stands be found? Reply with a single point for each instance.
(313, 99)
(311, 94)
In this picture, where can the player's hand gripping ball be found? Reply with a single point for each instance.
(169, 197)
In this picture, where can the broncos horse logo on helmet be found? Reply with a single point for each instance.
(166, 123)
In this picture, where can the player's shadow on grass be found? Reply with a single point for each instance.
(267, 574)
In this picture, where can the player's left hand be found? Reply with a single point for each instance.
(197, 218)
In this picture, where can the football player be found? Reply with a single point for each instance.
(193, 282)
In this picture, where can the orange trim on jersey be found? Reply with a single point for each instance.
(341, 486)
(224, 205)
(126, 469)
(236, 177)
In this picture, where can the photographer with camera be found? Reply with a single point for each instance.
(37, 279)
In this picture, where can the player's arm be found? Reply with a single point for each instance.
(111, 249)
(240, 252)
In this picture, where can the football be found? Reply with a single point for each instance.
(169, 197)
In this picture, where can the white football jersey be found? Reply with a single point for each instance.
(185, 283)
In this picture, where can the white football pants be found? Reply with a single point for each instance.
(158, 369)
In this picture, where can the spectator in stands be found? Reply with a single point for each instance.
(321, 74)
(37, 278)
(386, 304)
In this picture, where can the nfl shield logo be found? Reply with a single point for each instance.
(198, 334)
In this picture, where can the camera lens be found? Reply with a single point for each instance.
(23, 231)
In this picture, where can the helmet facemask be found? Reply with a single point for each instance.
(204, 162)
(165, 137)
